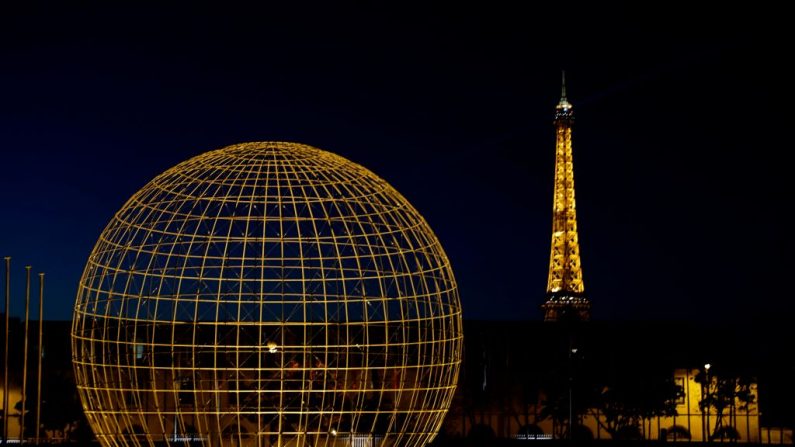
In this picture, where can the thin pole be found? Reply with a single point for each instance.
(5, 353)
(571, 406)
(25, 355)
(38, 376)
(709, 434)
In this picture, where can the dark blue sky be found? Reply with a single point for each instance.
(679, 142)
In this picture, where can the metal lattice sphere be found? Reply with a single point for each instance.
(267, 294)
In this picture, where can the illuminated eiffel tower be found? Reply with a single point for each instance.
(566, 299)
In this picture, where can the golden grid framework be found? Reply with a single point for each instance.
(267, 294)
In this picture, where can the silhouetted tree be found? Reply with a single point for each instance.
(724, 392)
(631, 398)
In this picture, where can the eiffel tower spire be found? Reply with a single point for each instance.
(565, 290)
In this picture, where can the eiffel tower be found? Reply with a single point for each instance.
(566, 299)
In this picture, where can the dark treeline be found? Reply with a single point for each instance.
(622, 369)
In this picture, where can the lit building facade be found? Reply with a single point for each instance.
(14, 414)
(512, 387)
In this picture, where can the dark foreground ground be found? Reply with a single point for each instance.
(595, 443)
(513, 443)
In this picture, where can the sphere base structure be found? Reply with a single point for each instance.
(267, 294)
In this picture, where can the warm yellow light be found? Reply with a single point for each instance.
(260, 294)
(565, 269)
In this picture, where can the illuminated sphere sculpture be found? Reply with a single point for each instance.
(267, 294)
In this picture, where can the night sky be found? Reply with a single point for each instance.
(681, 133)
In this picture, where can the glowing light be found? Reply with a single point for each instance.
(259, 294)
(565, 270)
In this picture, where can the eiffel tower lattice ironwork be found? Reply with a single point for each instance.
(566, 300)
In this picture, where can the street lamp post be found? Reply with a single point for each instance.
(707, 366)
(572, 351)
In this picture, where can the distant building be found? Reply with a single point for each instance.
(514, 372)
(14, 398)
